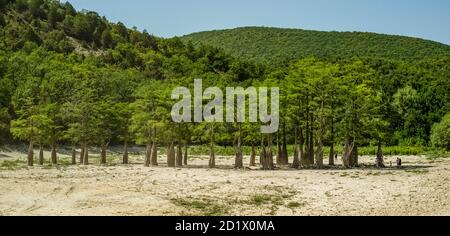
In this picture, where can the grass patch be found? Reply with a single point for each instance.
(379, 173)
(263, 199)
(344, 174)
(65, 161)
(12, 165)
(277, 189)
(417, 172)
(204, 207)
(294, 205)
(437, 154)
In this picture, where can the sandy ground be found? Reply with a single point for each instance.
(422, 187)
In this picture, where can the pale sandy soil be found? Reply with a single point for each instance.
(421, 188)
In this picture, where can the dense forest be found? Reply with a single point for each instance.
(281, 46)
(74, 78)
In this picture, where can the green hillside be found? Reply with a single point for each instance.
(275, 44)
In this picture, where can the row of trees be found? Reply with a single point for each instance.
(322, 104)
(117, 88)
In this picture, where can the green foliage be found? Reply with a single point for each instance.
(151, 113)
(440, 135)
(274, 45)
(74, 77)
(205, 207)
(31, 128)
(12, 164)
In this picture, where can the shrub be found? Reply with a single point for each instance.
(440, 134)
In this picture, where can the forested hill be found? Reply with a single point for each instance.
(57, 28)
(278, 45)
(54, 58)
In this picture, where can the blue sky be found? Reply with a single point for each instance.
(429, 19)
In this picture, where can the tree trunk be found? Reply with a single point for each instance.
(284, 150)
(74, 155)
(354, 157)
(279, 154)
(82, 153)
(239, 162)
(311, 143)
(350, 157)
(154, 155)
(54, 155)
(41, 155)
(179, 156)
(30, 155)
(171, 156)
(347, 152)
(264, 158)
(103, 155)
(86, 156)
(380, 159)
(269, 156)
(319, 154)
(148, 151)
(212, 154)
(319, 151)
(307, 143)
(262, 152)
(331, 157)
(253, 156)
(125, 153)
(185, 157)
(303, 158)
(296, 161)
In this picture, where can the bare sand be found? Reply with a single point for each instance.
(422, 187)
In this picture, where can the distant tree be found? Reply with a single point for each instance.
(4, 123)
(106, 122)
(84, 124)
(360, 109)
(52, 133)
(53, 16)
(106, 39)
(30, 127)
(70, 10)
(35, 7)
(406, 102)
(124, 113)
(121, 30)
(149, 118)
(440, 135)
(251, 137)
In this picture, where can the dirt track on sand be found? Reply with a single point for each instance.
(421, 188)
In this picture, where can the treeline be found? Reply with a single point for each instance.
(100, 83)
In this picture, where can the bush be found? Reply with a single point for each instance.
(440, 134)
